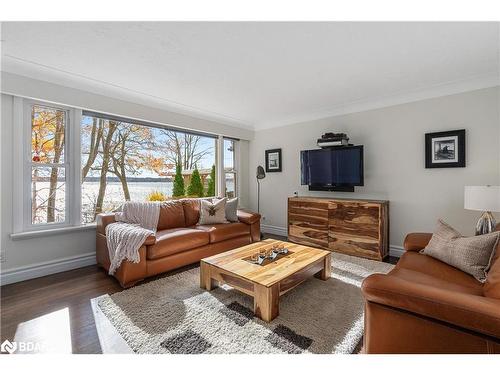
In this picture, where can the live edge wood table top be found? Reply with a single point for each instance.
(265, 283)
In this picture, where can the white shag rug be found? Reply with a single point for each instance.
(173, 315)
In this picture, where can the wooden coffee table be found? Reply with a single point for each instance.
(265, 283)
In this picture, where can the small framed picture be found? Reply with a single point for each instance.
(445, 149)
(273, 160)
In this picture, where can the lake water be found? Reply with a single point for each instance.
(113, 197)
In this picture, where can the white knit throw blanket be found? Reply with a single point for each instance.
(133, 225)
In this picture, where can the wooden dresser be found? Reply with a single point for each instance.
(351, 226)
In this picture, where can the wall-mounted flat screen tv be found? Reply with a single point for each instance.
(332, 169)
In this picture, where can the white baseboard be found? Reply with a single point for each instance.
(33, 271)
(272, 229)
(394, 251)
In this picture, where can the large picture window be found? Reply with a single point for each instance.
(76, 164)
(125, 161)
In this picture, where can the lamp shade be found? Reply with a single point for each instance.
(260, 173)
(482, 198)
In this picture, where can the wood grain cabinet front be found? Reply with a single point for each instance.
(308, 222)
(355, 227)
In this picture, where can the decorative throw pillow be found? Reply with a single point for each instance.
(212, 212)
(469, 254)
(232, 210)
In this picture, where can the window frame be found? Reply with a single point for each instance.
(23, 117)
(22, 166)
(234, 170)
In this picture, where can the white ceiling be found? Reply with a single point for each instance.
(257, 74)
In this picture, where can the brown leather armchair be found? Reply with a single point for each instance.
(426, 306)
(179, 240)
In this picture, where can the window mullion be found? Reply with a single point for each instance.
(19, 167)
(75, 170)
(221, 175)
(236, 167)
(35, 164)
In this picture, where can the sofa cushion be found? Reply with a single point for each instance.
(435, 269)
(191, 211)
(492, 284)
(171, 215)
(466, 286)
(469, 254)
(173, 241)
(222, 232)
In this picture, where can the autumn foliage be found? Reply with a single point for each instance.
(156, 196)
(47, 155)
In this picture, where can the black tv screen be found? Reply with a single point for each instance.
(332, 167)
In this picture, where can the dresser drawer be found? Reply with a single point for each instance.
(355, 219)
(303, 234)
(358, 246)
(310, 213)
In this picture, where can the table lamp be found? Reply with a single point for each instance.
(486, 199)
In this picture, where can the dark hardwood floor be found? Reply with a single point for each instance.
(72, 290)
(25, 305)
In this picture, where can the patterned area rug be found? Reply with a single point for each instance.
(173, 315)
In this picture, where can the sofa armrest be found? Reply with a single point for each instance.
(103, 220)
(477, 313)
(416, 241)
(150, 240)
(248, 217)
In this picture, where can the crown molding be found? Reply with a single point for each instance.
(26, 87)
(445, 89)
(31, 69)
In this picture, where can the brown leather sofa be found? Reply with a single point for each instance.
(426, 306)
(179, 240)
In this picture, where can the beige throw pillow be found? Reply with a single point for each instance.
(469, 254)
(212, 212)
(232, 210)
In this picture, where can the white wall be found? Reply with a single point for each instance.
(394, 170)
(393, 140)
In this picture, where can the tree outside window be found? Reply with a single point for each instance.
(124, 161)
(48, 170)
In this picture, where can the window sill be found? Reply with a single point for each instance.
(51, 232)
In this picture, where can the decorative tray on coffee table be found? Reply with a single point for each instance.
(271, 257)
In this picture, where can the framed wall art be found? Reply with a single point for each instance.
(445, 149)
